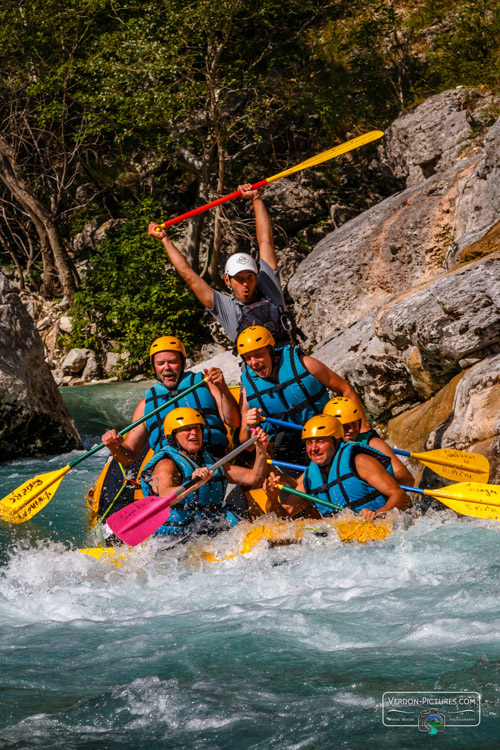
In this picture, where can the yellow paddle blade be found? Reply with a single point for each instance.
(22, 504)
(471, 499)
(459, 466)
(361, 140)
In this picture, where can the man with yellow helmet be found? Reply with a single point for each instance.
(213, 400)
(255, 293)
(203, 510)
(348, 414)
(351, 475)
(286, 385)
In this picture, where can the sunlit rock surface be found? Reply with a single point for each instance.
(405, 298)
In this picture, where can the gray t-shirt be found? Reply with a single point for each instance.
(227, 309)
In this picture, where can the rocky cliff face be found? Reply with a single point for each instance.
(404, 300)
(33, 417)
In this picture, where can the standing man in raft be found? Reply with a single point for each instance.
(255, 294)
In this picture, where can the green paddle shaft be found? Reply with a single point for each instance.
(137, 422)
(311, 497)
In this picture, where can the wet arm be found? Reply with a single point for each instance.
(335, 383)
(258, 472)
(226, 403)
(401, 473)
(166, 479)
(127, 450)
(264, 231)
(374, 473)
(244, 433)
(263, 225)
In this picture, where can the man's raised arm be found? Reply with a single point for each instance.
(200, 287)
(263, 226)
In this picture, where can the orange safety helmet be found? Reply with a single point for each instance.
(166, 344)
(184, 416)
(254, 337)
(343, 408)
(322, 425)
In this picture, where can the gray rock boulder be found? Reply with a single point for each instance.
(478, 195)
(374, 368)
(391, 247)
(66, 324)
(227, 362)
(91, 370)
(428, 138)
(452, 320)
(474, 422)
(76, 360)
(399, 243)
(33, 417)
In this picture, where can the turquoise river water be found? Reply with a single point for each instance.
(286, 648)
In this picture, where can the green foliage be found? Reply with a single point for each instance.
(130, 296)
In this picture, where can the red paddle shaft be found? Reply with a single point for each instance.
(208, 206)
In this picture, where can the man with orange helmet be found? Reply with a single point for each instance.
(285, 385)
(212, 399)
(349, 416)
(349, 475)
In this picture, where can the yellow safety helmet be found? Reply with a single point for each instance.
(322, 425)
(166, 344)
(254, 337)
(344, 409)
(181, 417)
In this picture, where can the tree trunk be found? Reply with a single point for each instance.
(55, 259)
(213, 271)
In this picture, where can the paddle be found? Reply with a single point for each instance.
(281, 423)
(343, 148)
(447, 462)
(313, 499)
(140, 519)
(28, 499)
(286, 464)
(453, 464)
(467, 498)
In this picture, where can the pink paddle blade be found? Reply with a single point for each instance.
(141, 519)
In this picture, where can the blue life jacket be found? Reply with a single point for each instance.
(296, 396)
(365, 437)
(264, 312)
(344, 486)
(204, 504)
(214, 432)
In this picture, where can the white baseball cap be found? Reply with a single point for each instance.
(240, 262)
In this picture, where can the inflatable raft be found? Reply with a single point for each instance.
(348, 528)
